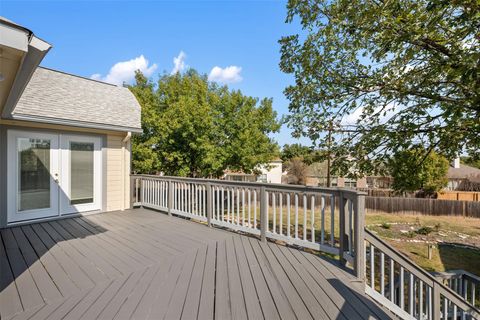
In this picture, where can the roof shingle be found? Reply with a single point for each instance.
(54, 96)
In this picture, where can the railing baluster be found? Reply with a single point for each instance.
(322, 226)
(332, 220)
(228, 204)
(274, 208)
(392, 280)
(238, 205)
(312, 218)
(296, 216)
(420, 298)
(243, 207)
(288, 215)
(281, 213)
(255, 208)
(382, 273)
(350, 226)
(305, 204)
(402, 288)
(411, 297)
(372, 266)
(249, 207)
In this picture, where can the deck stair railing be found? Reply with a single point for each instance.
(329, 220)
(303, 216)
(406, 289)
(464, 283)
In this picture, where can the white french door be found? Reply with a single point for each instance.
(80, 174)
(32, 163)
(52, 174)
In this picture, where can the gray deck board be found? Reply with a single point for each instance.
(142, 264)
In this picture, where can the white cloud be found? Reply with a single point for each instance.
(179, 63)
(124, 71)
(229, 74)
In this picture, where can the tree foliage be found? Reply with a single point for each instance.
(412, 171)
(471, 161)
(297, 171)
(296, 150)
(192, 127)
(408, 71)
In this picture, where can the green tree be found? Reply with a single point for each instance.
(192, 127)
(294, 150)
(471, 161)
(307, 154)
(412, 171)
(408, 71)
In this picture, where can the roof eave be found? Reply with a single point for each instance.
(75, 123)
(37, 49)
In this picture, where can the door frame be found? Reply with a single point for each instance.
(64, 169)
(13, 215)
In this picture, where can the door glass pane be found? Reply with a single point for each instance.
(81, 172)
(34, 174)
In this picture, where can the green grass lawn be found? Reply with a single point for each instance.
(458, 231)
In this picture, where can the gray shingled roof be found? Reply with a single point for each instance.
(464, 172)
(56, 97)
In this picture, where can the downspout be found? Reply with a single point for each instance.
(126, 176)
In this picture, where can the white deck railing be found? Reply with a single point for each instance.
(330, 220)
(324, 219)
(407, 290)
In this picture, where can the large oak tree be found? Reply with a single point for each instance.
(194, 127)
(406, 71)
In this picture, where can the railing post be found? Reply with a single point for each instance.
(341, 240)
(209, 204)
(436, 310)
(263, 214)
(359, 236)
(170, 197)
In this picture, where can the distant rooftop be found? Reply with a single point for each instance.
(464, 172)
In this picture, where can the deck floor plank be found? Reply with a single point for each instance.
(45, 284)
(269, 308)
(82, 272)
(206, 309)
(281, 300)
(66, 285)
(10, 302)
(27, 288)
(143, 264)
(192, 301)
(252, 301)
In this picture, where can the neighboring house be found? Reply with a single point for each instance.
(317, 176)
(271, 173)
(64, 139)
(462, 177)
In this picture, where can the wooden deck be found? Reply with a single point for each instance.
(141, 264)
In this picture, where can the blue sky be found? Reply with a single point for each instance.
(89, 37)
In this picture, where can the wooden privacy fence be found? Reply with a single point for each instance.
(433, 207)
(459, 195)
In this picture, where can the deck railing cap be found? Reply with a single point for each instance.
(335, 190)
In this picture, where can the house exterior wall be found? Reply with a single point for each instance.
(115, 163)
(118, 172)
(274, 173)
